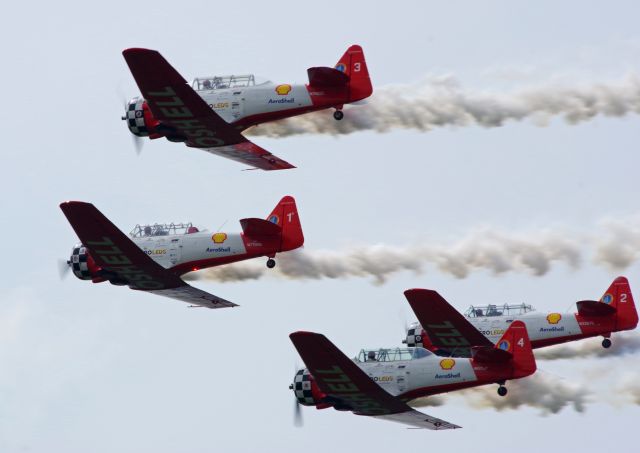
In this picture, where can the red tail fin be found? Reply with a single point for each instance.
(285, 215)
(516, 341)
(619, 296)
(353, 65)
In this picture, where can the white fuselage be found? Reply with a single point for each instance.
(234, 104)
(172, 250)
(403, 376)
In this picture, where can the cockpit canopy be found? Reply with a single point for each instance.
(392, 354)
(223, 82)
(485, 311)
(162, 229)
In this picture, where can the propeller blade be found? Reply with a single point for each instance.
(297, 414)
(137, 143)
(64, 266)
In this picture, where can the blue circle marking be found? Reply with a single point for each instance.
(607, 298)
(504, 345)
(274, 219)
(341, 67)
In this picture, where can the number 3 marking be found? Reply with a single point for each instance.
(356, 67)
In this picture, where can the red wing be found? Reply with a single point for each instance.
(447, 329)
(348, 386)
(185, 116)
(121, 259)
(251, 154)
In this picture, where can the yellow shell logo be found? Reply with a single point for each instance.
(554, 318)
(219, 238)
(283, 90)
(447, 364)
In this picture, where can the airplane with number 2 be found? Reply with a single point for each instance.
(379, 382)
(445, 331)
(154, 257)
(211, 113)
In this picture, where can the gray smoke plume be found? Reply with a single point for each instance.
(623, 343)
(428, 401)
(541, 391)
(629, 389)
(615, 246)
(441, 101)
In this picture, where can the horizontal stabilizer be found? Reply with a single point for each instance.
(259, 228)
(489, 354)
(594, 308)
(327, 77)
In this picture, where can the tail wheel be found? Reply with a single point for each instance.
(606, 343)
(271, 263)
(502, 390)
(338, 115)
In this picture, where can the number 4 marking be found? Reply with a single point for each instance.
(521, 342)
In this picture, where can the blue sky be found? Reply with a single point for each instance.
(98, 368)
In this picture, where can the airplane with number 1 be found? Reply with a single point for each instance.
(211, 113)
(380, 382)
(446, 332)
(154, 257)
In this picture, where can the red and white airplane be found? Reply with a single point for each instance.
(211, 113)
(443, 330)
(380, 382)
(154, 257)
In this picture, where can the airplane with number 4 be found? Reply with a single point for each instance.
(211, 113)
(380, 382)
(154, 257)
(446, 332)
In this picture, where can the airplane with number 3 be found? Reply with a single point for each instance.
(211, 113)
(154, 257)
(380, 382)
(445, 331)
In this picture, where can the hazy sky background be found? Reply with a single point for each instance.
(97, 368)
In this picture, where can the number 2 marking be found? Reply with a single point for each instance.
(356, 67)
(623, 297)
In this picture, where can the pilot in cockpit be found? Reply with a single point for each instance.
(147, 230)
(206, 84)
(371, 356)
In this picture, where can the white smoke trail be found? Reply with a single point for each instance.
(540, 391)
(441, 101)
(624, 343)
(615, 246)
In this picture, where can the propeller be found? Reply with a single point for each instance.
(297, 411)
(297, 414)
(137, 143)
(64, 266)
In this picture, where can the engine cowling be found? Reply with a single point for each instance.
(415, 337)
(139, 118)
(306, 390)
(82, 264)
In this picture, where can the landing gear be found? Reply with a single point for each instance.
(606, 343)
(502, 390)
(271, 263)
(338, 115)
